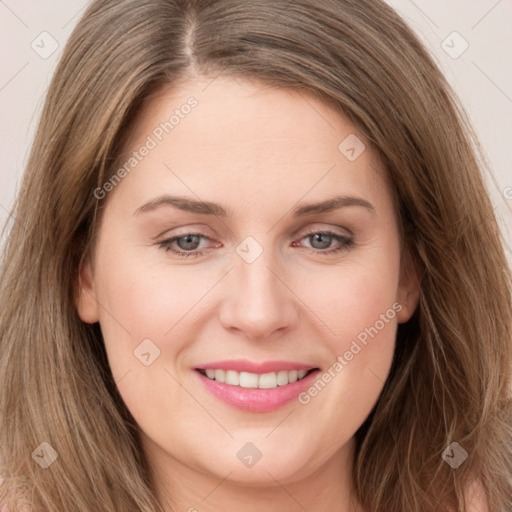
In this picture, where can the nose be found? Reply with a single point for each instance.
(258, 303)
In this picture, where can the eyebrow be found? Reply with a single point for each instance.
(208, 208)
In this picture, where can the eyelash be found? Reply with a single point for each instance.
(346, 243)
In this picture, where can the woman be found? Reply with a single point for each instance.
(254, 265)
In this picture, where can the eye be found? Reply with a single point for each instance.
(187, 245)
(321, 240)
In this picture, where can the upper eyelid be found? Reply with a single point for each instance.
(327, 230)
(306, 233)
(315, 228)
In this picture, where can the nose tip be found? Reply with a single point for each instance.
(259, 304)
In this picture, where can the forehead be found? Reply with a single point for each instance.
(242, 140)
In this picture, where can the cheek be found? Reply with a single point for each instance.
(357, 303)
(141, 303)
(147, 299)
(146, 325)
(362, 320)
(353, 296)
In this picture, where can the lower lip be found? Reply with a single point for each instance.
(255, 399)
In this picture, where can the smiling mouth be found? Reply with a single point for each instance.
(269, 380)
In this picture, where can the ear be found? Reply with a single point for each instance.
(87, 304)
(408, 288)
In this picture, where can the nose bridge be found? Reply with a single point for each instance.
(257, 283)
(259, 302)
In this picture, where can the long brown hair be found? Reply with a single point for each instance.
(451, 376)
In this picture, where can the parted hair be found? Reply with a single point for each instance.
(451, 376)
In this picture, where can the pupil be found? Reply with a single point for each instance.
(319, 237)
(189, 239)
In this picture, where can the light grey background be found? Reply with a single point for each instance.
(481, 74)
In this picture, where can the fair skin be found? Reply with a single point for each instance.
(259, 153)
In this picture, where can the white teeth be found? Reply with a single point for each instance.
(267, 381)
(301, 373)
(282, 378)
(232, 378)
(254, 380)
(248, 380)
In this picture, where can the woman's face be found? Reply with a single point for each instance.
(287, 260)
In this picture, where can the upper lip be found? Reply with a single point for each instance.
(243, 365)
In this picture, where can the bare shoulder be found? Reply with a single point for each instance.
(475, 496)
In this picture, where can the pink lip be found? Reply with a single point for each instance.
(243, 365)
(257, 400)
